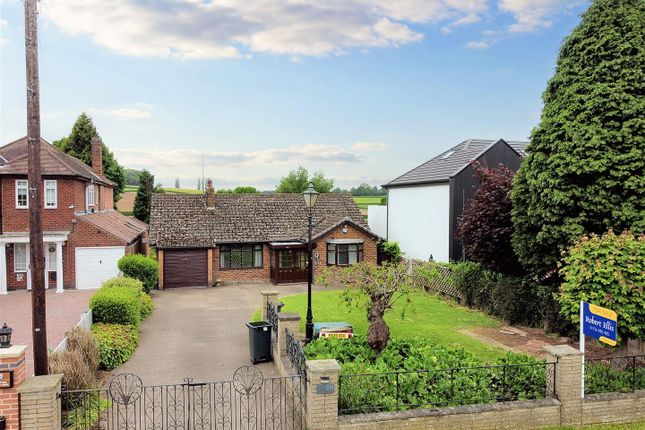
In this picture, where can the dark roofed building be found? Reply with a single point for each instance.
(425, 203)
(253, 237)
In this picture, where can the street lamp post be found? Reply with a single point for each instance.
(310, 196)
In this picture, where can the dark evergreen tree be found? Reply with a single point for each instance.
(143, 198)
(584, 172)
(79, 144)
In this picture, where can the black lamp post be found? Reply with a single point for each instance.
(5, 336)
(310, 196)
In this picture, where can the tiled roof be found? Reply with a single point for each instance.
(115, 223)
(446, 164)
(183, 219)
(53, 161)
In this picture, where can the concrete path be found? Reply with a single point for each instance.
(199, 333)
(63, 312)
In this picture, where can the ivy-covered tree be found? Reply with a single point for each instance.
(143, 199)
(79, 144)
(584, 169)
(298, 180)
(485, 227)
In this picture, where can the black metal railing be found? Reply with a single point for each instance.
(272, 316)
(295, 352)
(431, 388)
(615, 374)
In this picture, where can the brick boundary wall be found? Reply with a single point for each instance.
(12, 358)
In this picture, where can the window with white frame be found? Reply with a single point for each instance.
(90, 195)
(20, 257)
(22, 193)
(51, 194)
(51, 256)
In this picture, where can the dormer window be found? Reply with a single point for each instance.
(22, 193)
(89, 195)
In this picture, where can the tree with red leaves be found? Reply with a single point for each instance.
(485, 228)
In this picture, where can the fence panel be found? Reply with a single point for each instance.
(615, 374)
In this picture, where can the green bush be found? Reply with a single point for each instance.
(389, 251)
(140, 267)
(116, 305)
(608, 271)
(135, 284)
(116, 342)
(85, 415)
(429, 374)
(603, 378)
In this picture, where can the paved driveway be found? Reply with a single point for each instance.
(63, 312)
(199, 333)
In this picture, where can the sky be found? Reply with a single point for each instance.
(363, 90)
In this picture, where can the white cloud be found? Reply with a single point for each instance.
(531, 15)
(471, 18)
(138, 111)
(369, 146)
(477, 44)
(198, 29)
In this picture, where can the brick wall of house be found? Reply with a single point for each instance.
(17, 282)
(320, 252)
(243, 275)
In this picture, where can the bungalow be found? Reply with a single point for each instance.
(207, 238)
(424, 204)
(83, 236)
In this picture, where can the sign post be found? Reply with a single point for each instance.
(599, 323)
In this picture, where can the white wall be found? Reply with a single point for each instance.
(418, 218)
(377, 219)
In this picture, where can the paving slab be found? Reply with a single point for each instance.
(199, 333)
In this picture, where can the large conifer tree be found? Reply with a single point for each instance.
(584, 169)
(143, 198)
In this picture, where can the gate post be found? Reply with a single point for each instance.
(40, 406)
(289, 321)
(12, 361)
(322, 394)
(267, 296)
(568, 381)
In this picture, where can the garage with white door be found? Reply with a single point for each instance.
(94, 265)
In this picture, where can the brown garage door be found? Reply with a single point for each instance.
(185, 268)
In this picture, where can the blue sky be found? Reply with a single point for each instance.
(363, 90)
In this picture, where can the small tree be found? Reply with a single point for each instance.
(245, 190)
(486, 228)
(143, 198)
(383, 286)
(608, 271)
(297, 180)
(177, 183)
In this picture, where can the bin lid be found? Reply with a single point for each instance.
(258, 324)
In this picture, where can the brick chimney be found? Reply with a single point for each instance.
(97, 156)
(210, 195)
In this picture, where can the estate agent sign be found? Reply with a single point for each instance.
(599, 323)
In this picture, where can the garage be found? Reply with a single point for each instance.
(185, 268)
(94, 265)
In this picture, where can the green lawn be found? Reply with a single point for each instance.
(182, 191)
(364, 201)
(429, 317)
(129, 188)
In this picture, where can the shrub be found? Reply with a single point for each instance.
(81, 340)
(116, 342)
(608, 271)
(85, 411)
(140, 267)
(389, 251)
(116, 305)
(76, 373)
(135, 284)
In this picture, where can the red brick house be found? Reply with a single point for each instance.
(205, 238)
(83, 236)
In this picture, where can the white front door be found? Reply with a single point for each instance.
(97, 264)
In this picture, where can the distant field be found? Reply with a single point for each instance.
(130, 188)
(364, 201)
(182, 191)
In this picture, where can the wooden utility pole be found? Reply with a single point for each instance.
(36, 254)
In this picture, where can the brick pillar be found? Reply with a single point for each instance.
(568, 381)
(267, 296)
(289, 321)
(40, 403)
(209, 264)
(322, 405)
(12, 359)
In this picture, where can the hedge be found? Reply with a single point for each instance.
(116, 305)
(116, 342)
(140, 267)
(135, 284)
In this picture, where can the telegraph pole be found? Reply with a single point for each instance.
(36, 254)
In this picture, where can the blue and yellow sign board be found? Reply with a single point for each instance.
(599, 323)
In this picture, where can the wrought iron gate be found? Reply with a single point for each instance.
(247, 402)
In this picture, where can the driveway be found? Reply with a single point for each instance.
(199, 333)
(63, 312)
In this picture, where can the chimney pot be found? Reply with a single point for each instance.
(97, 156)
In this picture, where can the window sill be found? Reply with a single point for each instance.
(225, 269)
